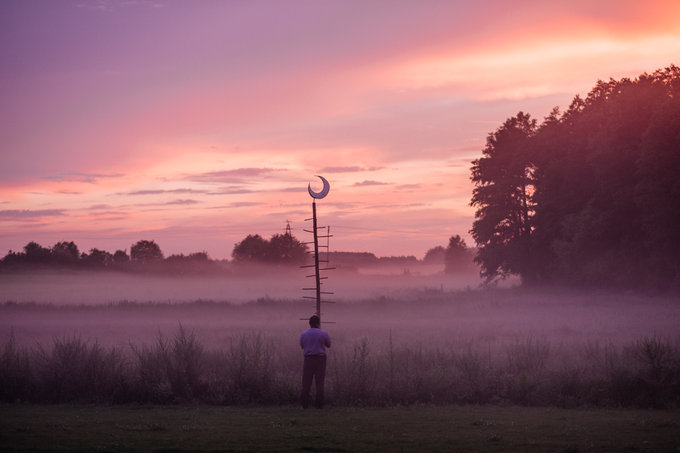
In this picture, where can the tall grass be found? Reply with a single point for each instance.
(16, 371)
(255, 369)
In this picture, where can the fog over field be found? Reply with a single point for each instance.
(140, 304)
(116, 307)
(248, 283)
(402, 338)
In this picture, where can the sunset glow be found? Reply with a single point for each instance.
(195, 124)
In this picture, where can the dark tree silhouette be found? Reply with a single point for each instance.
(281, 248)
(504, 183)
(120, 258)
(658, 192)
(590, 196)
(285, 248)
(146, 252)
(194, 263)
(604, 191)
(96, 259)
(13, 259)
(435, 255)
(457, 256)
(35, 253)
(199, 257)
(252, 248)
(65, 253)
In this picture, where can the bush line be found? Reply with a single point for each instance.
(254, 369)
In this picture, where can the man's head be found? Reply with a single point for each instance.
(314, 321)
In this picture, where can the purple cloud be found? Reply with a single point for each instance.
(238, 175)
(244, 204)
(230, 190)
(15, 214)
(77, 176)
(370, 183)
(396, 205)
(182, 202)
(349, 169)
(161, 191)
(293, 189)
(170, 203)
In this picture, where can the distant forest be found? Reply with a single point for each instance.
(590, 196)
(281, 249)
(144, 256)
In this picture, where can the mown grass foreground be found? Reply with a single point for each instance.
(412, 428)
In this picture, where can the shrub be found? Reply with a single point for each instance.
(15, 372)
(76, 370)
(253, 369)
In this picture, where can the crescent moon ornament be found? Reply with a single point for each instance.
(324, 191)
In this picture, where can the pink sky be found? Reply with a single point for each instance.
(196, 123)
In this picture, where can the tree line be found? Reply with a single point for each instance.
(589, 196)
(147, 255)
(280, 249)
(144, 255)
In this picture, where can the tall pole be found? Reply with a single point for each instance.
(316, 262)
(315, 231)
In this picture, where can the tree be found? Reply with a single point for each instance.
(658, 191)
(605, 185)
(194, 263)
(96, 259)
(285, 248)
(146, 252)
(13, 259)
(120, 259)
(456, 255)
(435, 255)
(37, 254)
(199, 257)
(65, 253)
(281, 248)
(252, 248)
(504, 184)
(590, 197)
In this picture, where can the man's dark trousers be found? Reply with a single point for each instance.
(314, 368)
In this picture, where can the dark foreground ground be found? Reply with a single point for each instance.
(418, 428)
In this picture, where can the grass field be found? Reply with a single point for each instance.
(499, 347)
(421, 369)
(69, 428)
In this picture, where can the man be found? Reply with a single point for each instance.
(314, 342)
